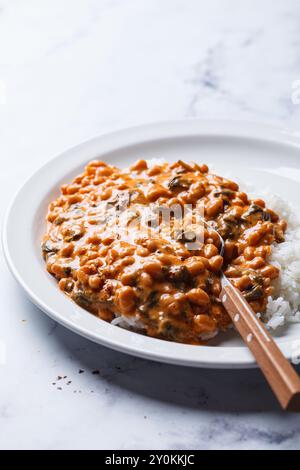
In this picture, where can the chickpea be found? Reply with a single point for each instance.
(127, 299)
(196, 191)
(91, 255)
(243, 282)
(203, 168)
(256, 263)
(95, 164)
(260, 203)
(171, 304)
(128, 278)
(195, 266)
(216, 263)
(82, 276)
(154, 268)
(108, 239)
(216, 288)
(232, 271)
(180, 297)
(232, 185)
(249, 253)
(198, 296)
(51, 216)
(210, 250)
(255, 234)
(81, 250)
(103, 251)
(269, 291)
(242, 196)
(127, 261)
(214, 207)
(112, 257)
(174, 202)
(236, 212)
(263, 251)
(268, 227)
(84, 182)
(79, 178)
(66, 284)
(238, 202)
(283, 225)
(94, 248)
(238, 261)
(60, 271)
(229, 250)
(83, 260)
(140, 165)
(167, 260)
(63, 189)
(99, 180)
(270, 271)
(146, 280)
(94, 239)
(217, 310)
(155, 170)
(141, 251)
(204, 260)
(152, 245)
(123, 186)
(106, 194)
(72, 189)
(74, 199)
(67, 250)
(126, 251)
(184, 165)
(215, 237)
(157, 191)
(105, 171)
(90, 173)
(93, 221)
(105, 314)
(90, 267)
(95, 282)
(204, 323)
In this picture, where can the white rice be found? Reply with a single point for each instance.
(128, 322)
(284, 306)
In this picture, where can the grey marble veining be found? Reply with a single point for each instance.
(72, 69)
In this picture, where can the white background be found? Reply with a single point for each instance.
(71, 69)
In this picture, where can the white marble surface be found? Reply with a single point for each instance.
(70, 69)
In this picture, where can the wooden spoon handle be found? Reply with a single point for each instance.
(280, 374)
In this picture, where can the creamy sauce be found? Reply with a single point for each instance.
(114, 253)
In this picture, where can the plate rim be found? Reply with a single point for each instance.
(159, 129)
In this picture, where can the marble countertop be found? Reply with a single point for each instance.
(71, 69)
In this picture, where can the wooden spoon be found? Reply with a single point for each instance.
(280, 374)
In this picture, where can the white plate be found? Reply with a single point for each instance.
(255, 153)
